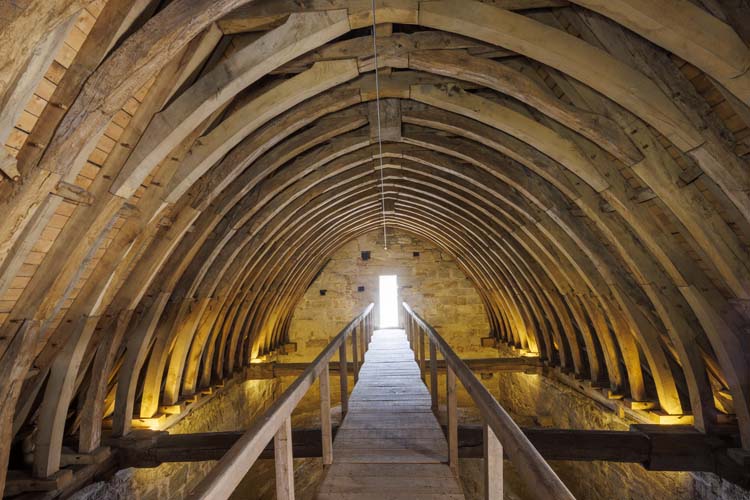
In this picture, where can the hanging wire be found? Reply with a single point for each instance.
(380, 139)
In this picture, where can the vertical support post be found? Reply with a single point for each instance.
(282, 451)
(369, 328)
(422, 371)
(325, 417)
(450, 382)
(417, 332)
(414, 337)
(407, 328)
(433, 376)
(343, 373)
(355, 354)
(493, 465)
(368, 332)
(365, 337)
(363, 340)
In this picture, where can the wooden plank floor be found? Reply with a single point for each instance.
(390, 445)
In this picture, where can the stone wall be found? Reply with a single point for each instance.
(437, 289)
(431, 283)
(234, 408)
(535, 400)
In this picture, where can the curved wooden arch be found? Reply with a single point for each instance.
(528, 156)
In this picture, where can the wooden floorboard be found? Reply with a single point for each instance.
(390, 445)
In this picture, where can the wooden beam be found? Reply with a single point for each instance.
(326, 428)
(394, 50)
(656, 447)
(530, 364)
(21, 482)
(688, 31)
(282, 447)
(555, 48)
(300, 33)
(30, 39)
(8, 165)
(504, 78)
(13, 365)
(493, 465)
(116, 17)
(385, 122)
(264, 15)
(234, 465)
(452, 398)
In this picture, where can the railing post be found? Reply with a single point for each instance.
(343, 373)
(282, 451)
(433, 376)
(493, 465)
(413, 339)
(365, 338)
(325, 417)
(407, 329)
(369, 330)
(421, 355)
(355, 354)
(526, 459)
(450, 382)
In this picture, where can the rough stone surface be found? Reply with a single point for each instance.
(436, 288)
(232, 409)
(535, 400)
(432, 284)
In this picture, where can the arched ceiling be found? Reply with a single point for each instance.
(585, 163)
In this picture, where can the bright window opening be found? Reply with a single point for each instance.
(389, 301)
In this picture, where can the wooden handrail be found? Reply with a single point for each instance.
(531, 466)
(234, 465)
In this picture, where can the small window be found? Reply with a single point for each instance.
(415, 254)
(360, 288)
(323, 292)
(366, 255)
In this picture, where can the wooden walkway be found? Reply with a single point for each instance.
(390, 445)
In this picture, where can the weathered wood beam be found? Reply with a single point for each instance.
(220, 85)
(394, 50)
(261, 371)
(21, 482)
(12, 373)
(116, 17)
(105, 92)
(30, 36)
(688, 31)
(656, 447)
(8, 165)
(385, 122)
(263, 15)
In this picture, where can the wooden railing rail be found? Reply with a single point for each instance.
(500, 431)
(275, 423)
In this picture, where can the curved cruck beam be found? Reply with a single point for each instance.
(230, 192)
